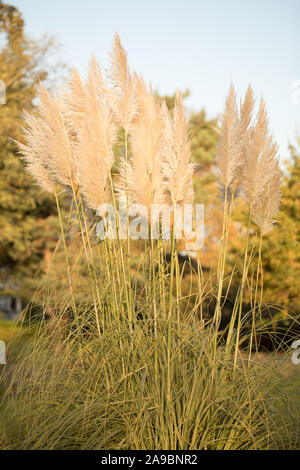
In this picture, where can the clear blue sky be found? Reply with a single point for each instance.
(195, 44)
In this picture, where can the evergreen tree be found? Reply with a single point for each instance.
(281, 249)
(204, 140)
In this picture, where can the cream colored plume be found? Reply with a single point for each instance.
(268, 204)
(261, 159)
(73, 103)
(176, 167)
(141, 179)
(94, 153)
(71, 139)
(230, 148)
(34, 153)
(122, 96)
(246, 111)
(246, 114)
(47, 148)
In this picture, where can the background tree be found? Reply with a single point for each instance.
(28, 223)
(281, 249)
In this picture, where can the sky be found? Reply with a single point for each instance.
(197, 44)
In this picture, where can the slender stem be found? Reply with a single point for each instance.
(65, 249)
(78, 212)
(170, 308)
(161, 258)
(152, 266)
(128, 237)
(171, 271)
(244, 278)
(222, 261)
(121, 253)
(253, 330)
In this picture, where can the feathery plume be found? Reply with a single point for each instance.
(122, 97)
(48, 147)
(229, 153)
(56, 135)
(70, 141)
(94, 154)
(176, 167)
(261, 158)
(246, 110)
(246, 113)
(141, 178)
(32, 154)
(41, 176)
(73, 103)
(268, 204)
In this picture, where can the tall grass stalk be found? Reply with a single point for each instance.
(222, 258)
(242, 287)
(256, 306)
(65, 250)
(88, 254)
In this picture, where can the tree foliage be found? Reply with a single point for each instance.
(27, 217)
(281, 248)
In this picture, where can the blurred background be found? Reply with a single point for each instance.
(195, 45)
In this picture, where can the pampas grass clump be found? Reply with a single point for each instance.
(129, 369)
